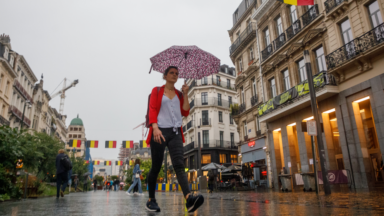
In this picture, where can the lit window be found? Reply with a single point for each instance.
(206, 158)
(223, 158)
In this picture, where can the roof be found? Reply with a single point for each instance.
(77, 121)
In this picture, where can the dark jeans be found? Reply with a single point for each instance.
(95, 187)
(85, 187)
(176, 150)
(61, 179)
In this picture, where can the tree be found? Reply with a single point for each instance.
(79, 166)
(114, 177)
(146, 165)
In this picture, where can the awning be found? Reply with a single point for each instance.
(254, 156)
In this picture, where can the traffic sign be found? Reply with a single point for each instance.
(311, 128)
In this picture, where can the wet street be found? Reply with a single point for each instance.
(222, 203)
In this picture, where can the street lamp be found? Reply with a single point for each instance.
(22, 118)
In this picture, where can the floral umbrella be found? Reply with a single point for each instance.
(192, 62)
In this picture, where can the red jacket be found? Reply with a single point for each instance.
(154, 109)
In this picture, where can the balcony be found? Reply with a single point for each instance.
(205, 122)
(219, 144)
(267, 52)
(297, 97)
(16, 112)
(359, 46)
(279, 41)
(332, 4)
(293, 29)
(3, 121)
(185, 129)
(310, 15)
(205, 102)
(189, 146)
(191, 104)
(237, 110)
(190, 125)
(22, 91)
(244, 38)
(258, 133)
(254, 100)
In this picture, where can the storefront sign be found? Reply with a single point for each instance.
(289, 164)
(311, 161)
(251, 144)
(186, 169)
(311, 128)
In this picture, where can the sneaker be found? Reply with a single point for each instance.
(194, 202)
(152, 206)
(61, 193)
(129, 194)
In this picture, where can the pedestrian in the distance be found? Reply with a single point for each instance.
(211, 179)
(111, 184)
(136, 174)
(63, 165)
(85, 183)
(76, 183)
(94, 183)
(166, 107)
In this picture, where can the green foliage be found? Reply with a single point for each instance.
(6, 186)
(79, 166)
(99, 180)
(4, 197)
(114, 177)
(234, 108)
(146, 165)
(129, 174)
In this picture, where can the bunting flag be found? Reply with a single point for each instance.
(107, 163)
(110, 144)
(119, 163)
(143, 144)
(96, 162)
(92, 144)
(128, 144)
(298, 2)
(74, 143)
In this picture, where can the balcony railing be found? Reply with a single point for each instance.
(205, 122)
(190, 125)
(16, 112)
(355, 47)
(211, 144)
(243, 37)
(184, 128)
(254, 100)
(3, 121)
(320, 80)
(189, 146)
(212, 102)
(22, 91)
(192, 104)
(290, 32)
(331, 4)
(279, 41)
(213, 82)
(237, 109)
(310, 15)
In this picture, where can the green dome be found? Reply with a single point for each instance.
(77, 121)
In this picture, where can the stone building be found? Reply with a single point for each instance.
(76, 131)
(7, 77)
(210, 121)
(244, 52)
(345, 43)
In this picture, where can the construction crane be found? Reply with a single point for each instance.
(62, 93)
(142, 129)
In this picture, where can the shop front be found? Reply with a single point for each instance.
(254, 161)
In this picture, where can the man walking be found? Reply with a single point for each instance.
(76, 183)
(94, 183)
(63, 165)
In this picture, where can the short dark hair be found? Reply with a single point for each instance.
(137, 161)
(168, 69)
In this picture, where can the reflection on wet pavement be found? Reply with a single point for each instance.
(264, 202)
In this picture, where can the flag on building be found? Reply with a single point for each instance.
(143, 144)
(92, 144)
(96, 162)
(298, 2)
(107, 163)
(119, 163)
(110, 144)
(128, 144)
(74, 143)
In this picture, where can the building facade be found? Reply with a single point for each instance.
(76, 131)
(210, 122)
(7, 77)
(344, 40)
(244, 52)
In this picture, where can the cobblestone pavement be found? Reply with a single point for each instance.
(263, 202)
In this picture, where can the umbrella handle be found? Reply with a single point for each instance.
(150, 69)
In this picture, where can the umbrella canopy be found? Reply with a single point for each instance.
(87, 173)
(213, 166)
(192, 62)
(232, 168)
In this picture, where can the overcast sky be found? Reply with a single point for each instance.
(107, 45)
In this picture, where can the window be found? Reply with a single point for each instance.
(302, 70)
(223, 158)
(230, 119)
(70, 135)
(320, 60)
(246, 3)
(236, 16)
(279, 26)
(233, 158)
(232, 139)
(254, 86)
(220, 116)
(74, 136)
(79, 129)
(204, 81)
(228, 83)
(229, 99)
(251, 54)
(6, 89)
(6, 53)
(205, 137)
(266, 37)
(219, 102)
(292, 13)
(347, 38)
(205, 158)
(221, 138)
(272, 84)
(204, 98)
(240, 65)
(226, 70)
(242, 95)
(79, 136)
(286, 80)
(205, 120)
(218, 80)
(11, 60)
(245, 128)
(71, 129)
(76, 129)
(374, 14)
